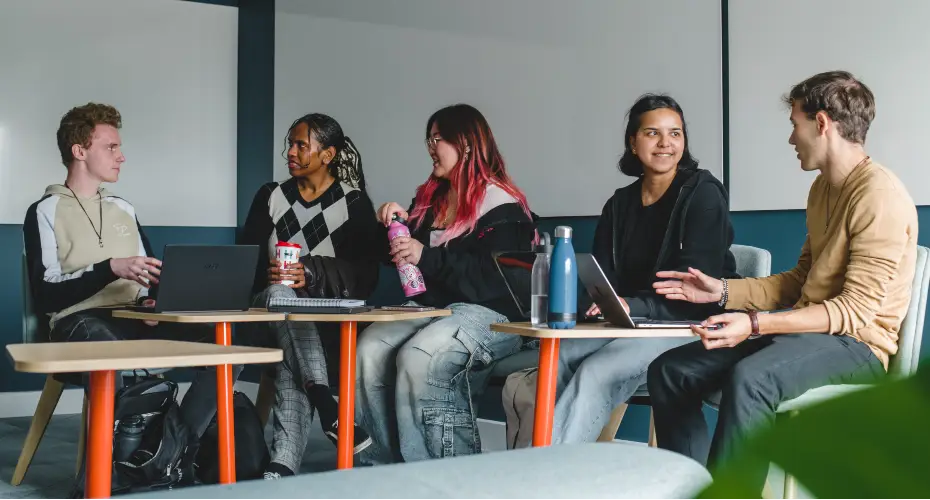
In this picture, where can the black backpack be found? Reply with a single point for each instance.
(164, 457)
(252, 455)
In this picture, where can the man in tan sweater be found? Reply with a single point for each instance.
(846, 298)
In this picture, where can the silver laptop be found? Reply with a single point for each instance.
(595, 282)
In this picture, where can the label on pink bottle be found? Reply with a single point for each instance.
(411, 279)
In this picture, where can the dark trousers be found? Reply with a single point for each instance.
(199, 403)
(753, 377)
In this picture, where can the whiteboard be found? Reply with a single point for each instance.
(774, 45)
(168, 66)
(553, 78)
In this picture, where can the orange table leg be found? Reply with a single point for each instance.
(224, 410)
(346, 441)
(545, 391)
(98, 473)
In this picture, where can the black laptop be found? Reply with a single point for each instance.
(197, 278)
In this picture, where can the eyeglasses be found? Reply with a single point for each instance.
(431, 142)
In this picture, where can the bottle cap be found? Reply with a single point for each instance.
(544, 245)
(395, 217)
(563, 232)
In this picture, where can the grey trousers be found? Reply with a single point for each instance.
(304, 364)
(754, 377)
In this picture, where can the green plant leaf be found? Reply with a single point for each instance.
(874, 443)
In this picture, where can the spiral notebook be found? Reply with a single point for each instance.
(317, 306)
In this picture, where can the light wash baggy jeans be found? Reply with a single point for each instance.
(595, 375)
(416, 381)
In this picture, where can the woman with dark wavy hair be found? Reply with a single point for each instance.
(674, 216)
(417, 378)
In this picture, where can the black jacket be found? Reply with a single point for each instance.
(463, 270)
(699, 235)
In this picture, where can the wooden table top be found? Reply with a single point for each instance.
(250, 316)
(66, 357)
(373, 316)
(590, 331)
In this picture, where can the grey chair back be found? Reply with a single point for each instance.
(904, 362)
(752, 262)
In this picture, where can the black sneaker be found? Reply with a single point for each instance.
(362, 439)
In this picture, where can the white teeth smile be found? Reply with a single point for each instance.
(663, 154)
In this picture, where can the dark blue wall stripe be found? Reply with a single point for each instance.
(255, 112)
(725, 81)
(228, 3)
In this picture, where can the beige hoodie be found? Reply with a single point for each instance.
(69, 268)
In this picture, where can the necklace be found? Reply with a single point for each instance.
(840, 194)
(98, 233)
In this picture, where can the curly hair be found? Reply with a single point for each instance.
(77, 127)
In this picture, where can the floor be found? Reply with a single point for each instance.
(52, 470)
(51, 474)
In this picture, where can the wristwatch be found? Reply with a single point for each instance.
(754, 320)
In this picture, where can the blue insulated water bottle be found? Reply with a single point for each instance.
(563, 281)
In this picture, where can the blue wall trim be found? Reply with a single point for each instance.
(725, 87)
(228, 3)
(255, 112)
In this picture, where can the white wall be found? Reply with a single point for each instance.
(553, 78)
(774, 45)
(170, 69)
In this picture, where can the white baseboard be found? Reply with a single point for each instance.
(23, 404)
(494, 436)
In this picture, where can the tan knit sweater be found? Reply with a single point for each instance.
(858, 262)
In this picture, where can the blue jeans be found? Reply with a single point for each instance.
(416, 380)
(596, 375)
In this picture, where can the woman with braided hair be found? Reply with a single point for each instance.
(323, 208)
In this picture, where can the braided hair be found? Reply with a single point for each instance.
(346, 166)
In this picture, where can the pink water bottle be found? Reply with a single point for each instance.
(410, 276)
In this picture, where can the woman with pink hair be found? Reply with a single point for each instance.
(416, 378)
